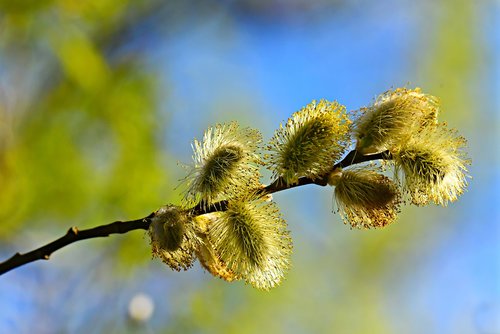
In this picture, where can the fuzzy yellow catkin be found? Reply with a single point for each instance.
(252, 240)
(310, 142)
(365, 198)
(173, 238)
(432, 166)
(225, 164)
(392, 118)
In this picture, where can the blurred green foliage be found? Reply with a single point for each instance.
(81, 131)
(453, 58)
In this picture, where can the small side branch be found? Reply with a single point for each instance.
(354, 157)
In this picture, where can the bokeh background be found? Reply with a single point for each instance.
(100, 99)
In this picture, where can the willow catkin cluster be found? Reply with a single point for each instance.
(228, 220)
(432, 165)
(252, 239)
(225, 164)
(429, 158)
(365, 198)
(248, 239)
(394, 116)
(173, 237)
(310, 142)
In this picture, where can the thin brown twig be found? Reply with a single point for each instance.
(121, 227)
(73, 235)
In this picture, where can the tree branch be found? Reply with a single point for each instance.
(73, 235)
(119, 227)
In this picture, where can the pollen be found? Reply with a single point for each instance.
(173, 239)
(432, 166)
(366, 199)
(392, 118)
(252, 240)
(310, 142)
(225, 164)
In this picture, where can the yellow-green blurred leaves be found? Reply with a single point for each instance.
(30, 20)
(23, 6)
(75, 149)
(86, 149)
(81, 62)
(452, 56)
(94, 10)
